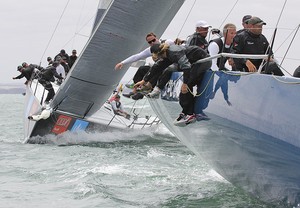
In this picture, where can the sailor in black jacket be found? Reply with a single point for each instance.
(28, 71)
(185, 57)
(199, 37)
(252, 41)
(46, 77)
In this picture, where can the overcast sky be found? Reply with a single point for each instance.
(27, 27)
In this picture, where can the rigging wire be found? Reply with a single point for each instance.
(229, 13)
(186, 18)
(280, 14)
(78, 21)
(287, 37)
(210, 33)
(54, 31)
(290, 44)
(78, 33)
(273, 39)
(192, 9)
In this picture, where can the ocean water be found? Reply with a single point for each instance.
(130, 169)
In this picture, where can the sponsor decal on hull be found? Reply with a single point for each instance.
(61, 124)
(79, 125)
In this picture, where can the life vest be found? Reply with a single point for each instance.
(197, 40)
(222, 60)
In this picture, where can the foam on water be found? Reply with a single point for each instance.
(125, 169)
(82, 137)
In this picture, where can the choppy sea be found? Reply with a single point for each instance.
(146, 168)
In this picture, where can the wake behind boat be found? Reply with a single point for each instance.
(81, 98)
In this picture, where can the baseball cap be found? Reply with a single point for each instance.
(246, 18)
(256, 21)
(202, 23)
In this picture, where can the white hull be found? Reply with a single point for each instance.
(104, 119)
(252, 143)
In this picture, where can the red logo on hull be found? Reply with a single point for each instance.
(61, 124)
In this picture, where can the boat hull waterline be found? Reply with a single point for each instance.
(251, 137)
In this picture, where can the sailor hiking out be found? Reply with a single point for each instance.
(28, 71)
(46, 77)
(186, 57)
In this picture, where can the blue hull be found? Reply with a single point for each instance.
(252, 138)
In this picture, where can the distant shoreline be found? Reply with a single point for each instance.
(12, 88)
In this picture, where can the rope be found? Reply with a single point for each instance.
(237, 74)
(273, 76)
(190, 91)
(284, 82)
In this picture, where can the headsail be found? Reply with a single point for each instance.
(120, 33)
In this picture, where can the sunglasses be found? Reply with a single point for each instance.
(152, 41)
